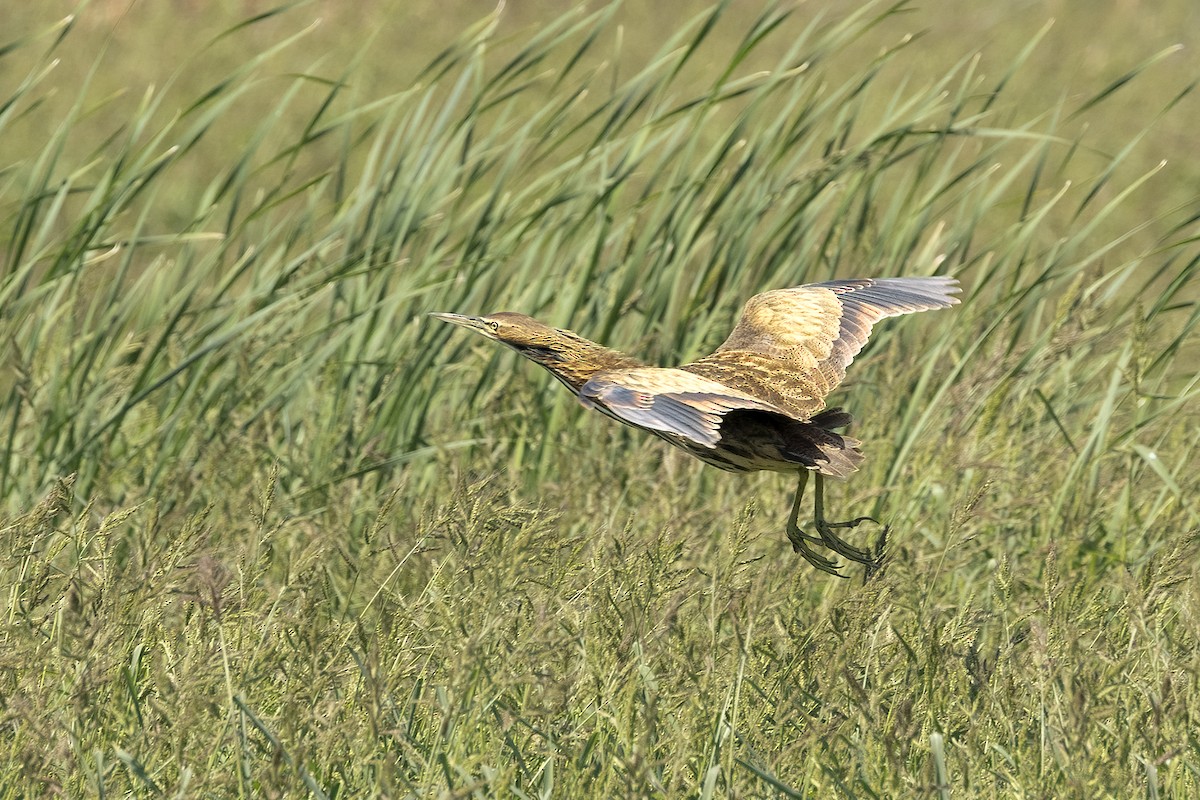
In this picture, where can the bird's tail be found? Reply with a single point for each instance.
(835, 455)
(832, 418)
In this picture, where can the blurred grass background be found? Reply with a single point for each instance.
(269, 533)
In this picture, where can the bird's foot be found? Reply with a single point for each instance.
(800, 541)
(850, 523)
(827, 538)
(843, 548)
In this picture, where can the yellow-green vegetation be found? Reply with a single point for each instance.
(268, 532)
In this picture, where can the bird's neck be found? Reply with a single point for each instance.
(575, 364)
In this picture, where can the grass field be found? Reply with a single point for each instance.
(268, 531)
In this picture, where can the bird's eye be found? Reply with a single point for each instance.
(494, 325)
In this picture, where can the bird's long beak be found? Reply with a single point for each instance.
(457, 319)
(474, 323)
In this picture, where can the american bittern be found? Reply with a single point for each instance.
(758, 402)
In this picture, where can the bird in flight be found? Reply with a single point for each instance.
(758, 401)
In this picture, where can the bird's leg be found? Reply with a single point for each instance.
(831, 539)
(800, 539)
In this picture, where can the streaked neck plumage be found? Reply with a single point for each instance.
(574, 360)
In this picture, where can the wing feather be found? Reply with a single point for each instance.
(668, 401)
(867, 301)
(794, 345)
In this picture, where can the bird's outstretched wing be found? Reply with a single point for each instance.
(791, 347)
(669, 401)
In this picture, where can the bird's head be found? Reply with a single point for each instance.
(568, 356)
(524, 334)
